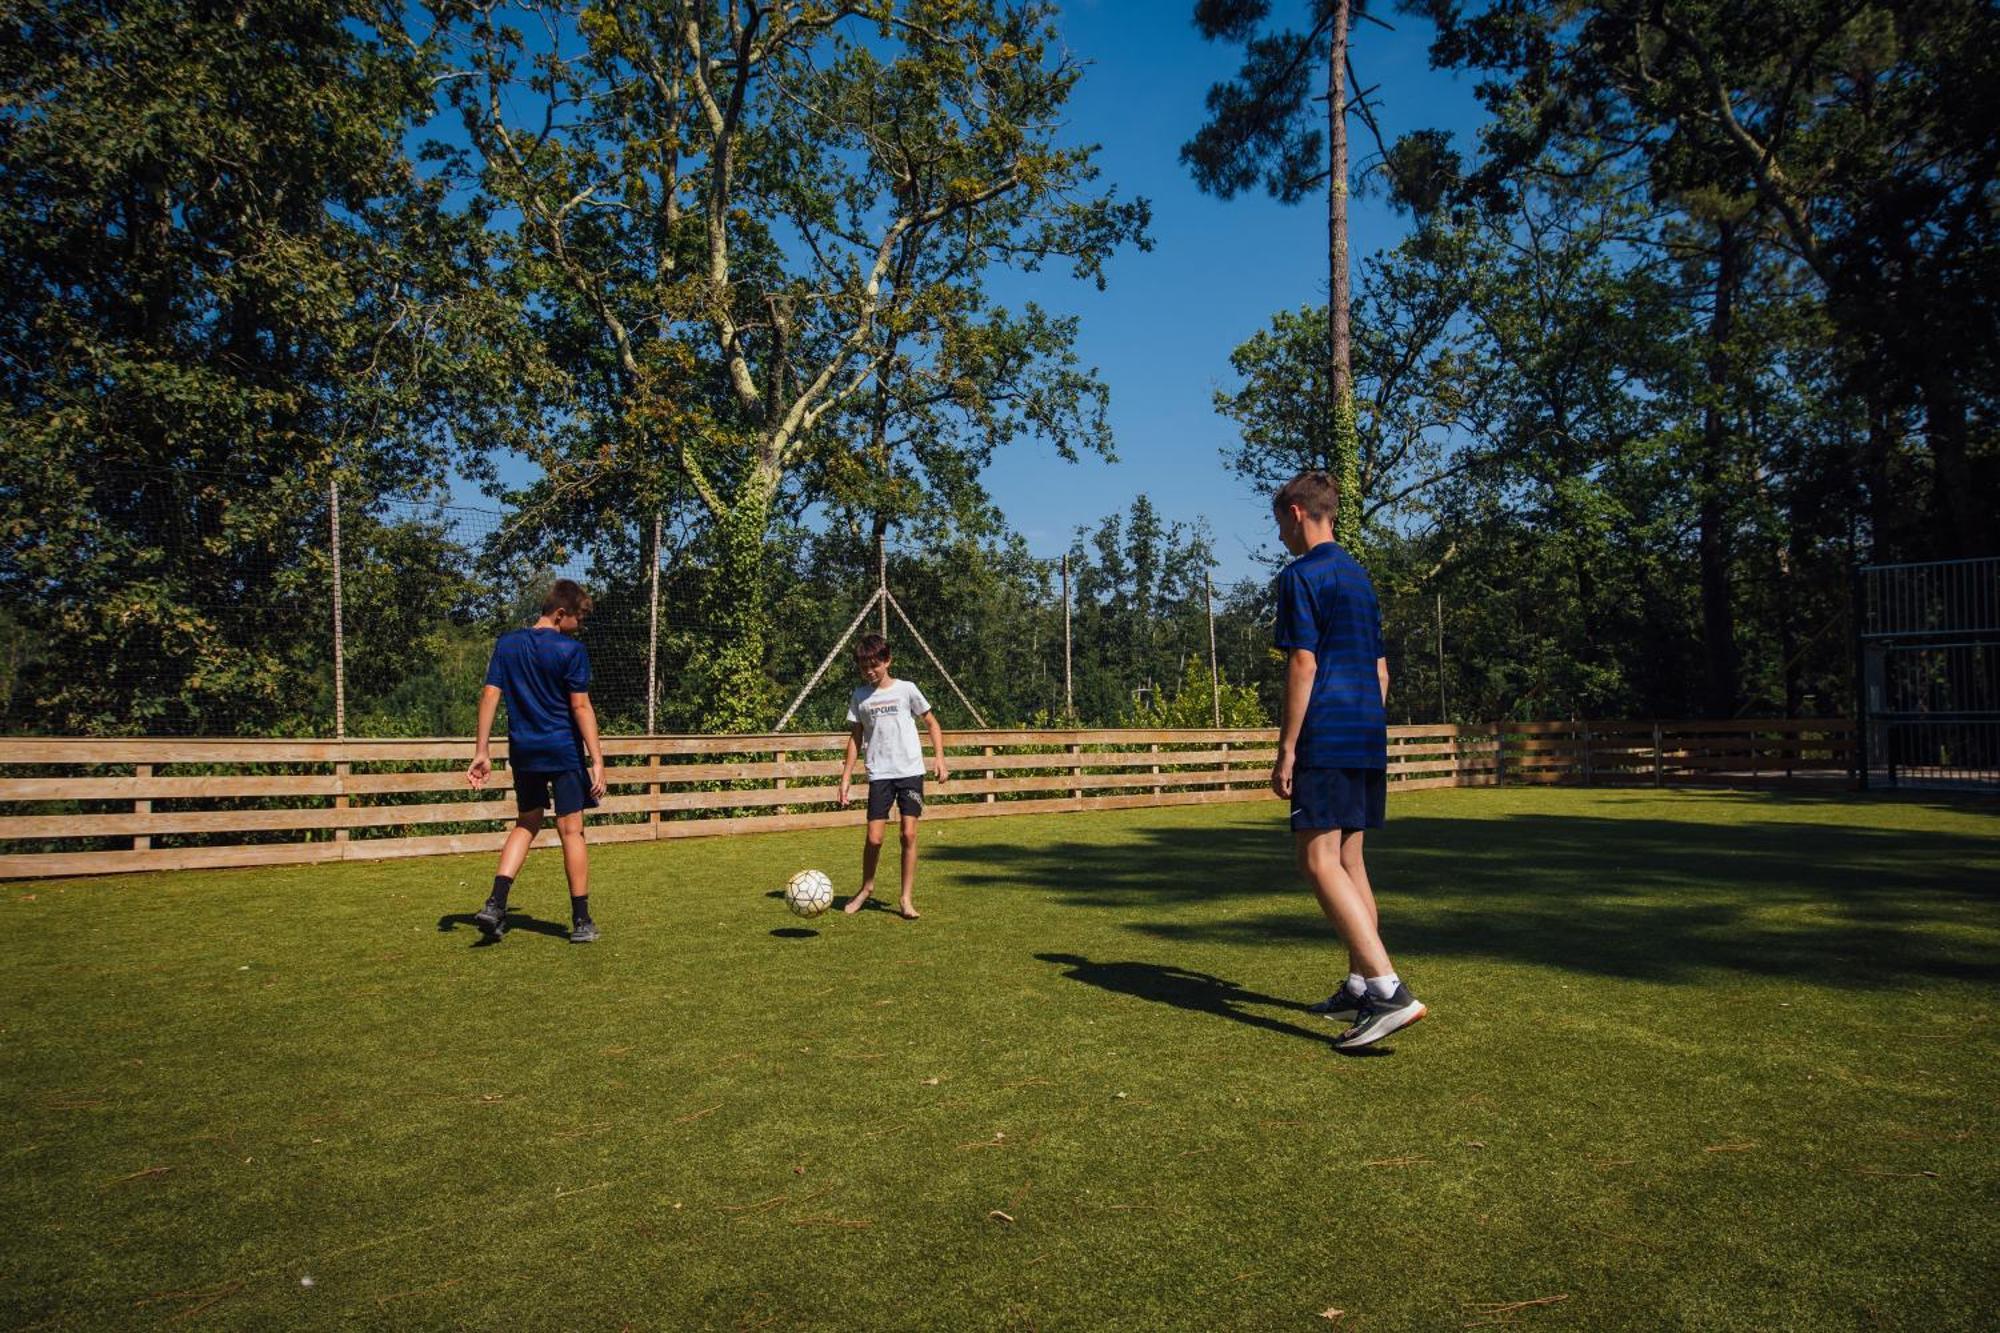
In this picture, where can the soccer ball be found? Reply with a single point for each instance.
(808, 893)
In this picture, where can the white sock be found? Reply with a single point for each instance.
(1356, 983)
(1384, 987)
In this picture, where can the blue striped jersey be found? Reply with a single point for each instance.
(1326, 605)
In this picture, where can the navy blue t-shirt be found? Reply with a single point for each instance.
(536, 671)
(1326, 605)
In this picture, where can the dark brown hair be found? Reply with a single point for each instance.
(1315, 492)
(567, 595)
(870, 649)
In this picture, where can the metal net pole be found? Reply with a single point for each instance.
(339, 637)
(1069, 701)
(653, 635)
(1214, 676)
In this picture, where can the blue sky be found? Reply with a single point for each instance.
(1161, 333)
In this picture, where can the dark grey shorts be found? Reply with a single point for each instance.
(906, 794)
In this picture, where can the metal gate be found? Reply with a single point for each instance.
(1928, 671)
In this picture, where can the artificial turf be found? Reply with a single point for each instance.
(1695, 1060)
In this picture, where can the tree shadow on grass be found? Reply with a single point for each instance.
(1636, 897)
(516, 920)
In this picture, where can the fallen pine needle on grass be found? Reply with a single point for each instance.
(1878, 1171)
(693, 1116)
(1730, 1147)
(1396, 1161)
(203, 1297)
(418, 1291)
(1499, 1312)
(828, 1220)
(143, 1174)
(760, 1207)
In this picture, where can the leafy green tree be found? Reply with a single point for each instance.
(225, 285)
(1867, 135)
(1198, 699)
(737, 215)
(1139, 587)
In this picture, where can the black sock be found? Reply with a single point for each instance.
(501, 883)
(579, 909)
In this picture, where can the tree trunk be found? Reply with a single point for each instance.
(740, 694)
(1718, 621)
(1955, 503)
(1340, 379)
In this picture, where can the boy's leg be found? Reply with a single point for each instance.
(1357, 871)
(909, 906)
(520, 838)
(871, 856)
(576, 867)
(492, 917)
(1351, 910)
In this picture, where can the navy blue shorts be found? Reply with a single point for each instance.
(570, 790)
(906, 794)
(1342, 798)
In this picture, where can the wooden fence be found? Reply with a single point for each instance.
(78, 806)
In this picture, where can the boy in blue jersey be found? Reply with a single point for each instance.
(552, 751)
(1333, 743)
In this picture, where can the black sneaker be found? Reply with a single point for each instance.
(1343, 1003)
(1378, 1018)
(491, 920)
(583, 932)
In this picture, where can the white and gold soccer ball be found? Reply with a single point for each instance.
(809, 893)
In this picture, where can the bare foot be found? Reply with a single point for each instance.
(855, 903)
(908, 913)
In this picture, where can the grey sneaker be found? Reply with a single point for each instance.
(1343, 1003)
(491, 920)
(1379, 1018)
(583, 932)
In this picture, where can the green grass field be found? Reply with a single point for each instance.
(1694, 1060)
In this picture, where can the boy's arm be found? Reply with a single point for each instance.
(937, 743)
(847, 759)
(481, 766)
(586, 722)
(1300, 668)
(1382, 675)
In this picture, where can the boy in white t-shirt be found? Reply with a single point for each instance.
(882, 723)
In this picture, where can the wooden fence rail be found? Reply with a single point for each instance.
(74, 806)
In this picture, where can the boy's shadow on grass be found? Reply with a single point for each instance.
(451, 921)
(1198, 991)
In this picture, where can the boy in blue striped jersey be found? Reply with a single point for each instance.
(1333, 747)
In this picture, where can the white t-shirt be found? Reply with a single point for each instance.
(888, 719)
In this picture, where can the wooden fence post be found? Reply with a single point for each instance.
(779, 783)
(340, 802)
(1659, 760)
(143, 806)
(653, 797)
(1589, 773)
(1154, 748)
(1076, 774)
(988, 752)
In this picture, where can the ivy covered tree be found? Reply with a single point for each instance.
(1266, 126)
(736, 217)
